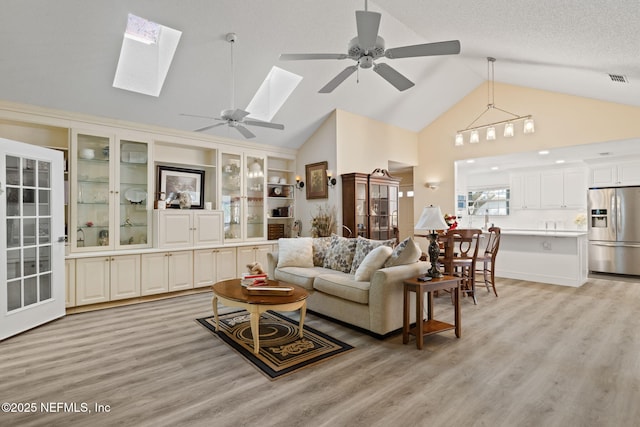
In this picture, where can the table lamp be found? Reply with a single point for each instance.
(431, 220)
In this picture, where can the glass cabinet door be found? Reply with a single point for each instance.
(231, 195)
(361, 209)
(255, 197)
(93, 192)
(133, 210)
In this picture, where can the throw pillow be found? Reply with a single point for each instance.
(320, 247)
(407, 252)
(295, 252)
(339, 256)
(372, 262)
(363, 247)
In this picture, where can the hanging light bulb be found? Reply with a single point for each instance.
(491, 133)
(529, 126)
(475, 137)
(508, 130)
(459, 139)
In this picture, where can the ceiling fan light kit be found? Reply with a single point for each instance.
(367, 47)
(509, 129)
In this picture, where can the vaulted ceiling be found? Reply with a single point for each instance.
(63, 55)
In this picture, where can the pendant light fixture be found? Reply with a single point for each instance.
(509, 127)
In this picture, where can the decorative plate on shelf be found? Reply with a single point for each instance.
(135, 195)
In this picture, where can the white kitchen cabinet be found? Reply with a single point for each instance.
(525, 190)
(105, 278)
(213, 265)
(182, 228)
(614, 175)
(70, 282)
(166, 272)
(110, 187)
(250, 254)
(562, 189)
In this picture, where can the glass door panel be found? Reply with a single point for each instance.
(361, 210)
(93, 190)
(134, 213)
(28, 260)
(255, 197)
(231, 191)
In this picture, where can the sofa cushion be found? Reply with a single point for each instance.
(320, 247)
(339, 256)
(363, 247)
(407, 252)
(343, 285)
(300, 276)
(372, 262)
(295, 252)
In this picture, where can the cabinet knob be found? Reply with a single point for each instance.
(107, 260)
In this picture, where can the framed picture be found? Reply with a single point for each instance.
(172, 181)
(316, 174)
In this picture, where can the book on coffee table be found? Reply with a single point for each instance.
(269, 290)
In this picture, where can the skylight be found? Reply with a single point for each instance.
(146, 55)
(272, 94)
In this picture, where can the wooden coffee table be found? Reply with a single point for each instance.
(231, 293)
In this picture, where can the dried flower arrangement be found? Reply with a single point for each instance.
(323, 223)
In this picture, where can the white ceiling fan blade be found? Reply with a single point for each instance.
(209, 127)
(263, 124)
(199, 116)
(451, 47)
(392, 76)
(244, 131)
(238, 114)
(335, 82)
(305, 56)
(368, 24)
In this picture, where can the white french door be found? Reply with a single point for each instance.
(32, 282)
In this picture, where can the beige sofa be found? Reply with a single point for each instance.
(375, 305)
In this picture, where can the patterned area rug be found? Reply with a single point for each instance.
(282, 351)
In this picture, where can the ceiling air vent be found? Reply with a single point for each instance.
(618, 78)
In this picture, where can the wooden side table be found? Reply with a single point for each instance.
(429, 326)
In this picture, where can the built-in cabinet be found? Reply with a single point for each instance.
(615, 175)
(281, 196)
(242, 194)
(70, 282)
(370, 205)
(251, 254)
(213, 265)
(563, 189)
(186, 228)
(110, 187)
(106, 278)
(166, 272)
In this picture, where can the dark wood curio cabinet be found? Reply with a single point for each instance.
(370, 205)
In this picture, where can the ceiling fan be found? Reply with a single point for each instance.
(368, 46)
(235, 117)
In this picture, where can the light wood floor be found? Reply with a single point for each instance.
(539, 355)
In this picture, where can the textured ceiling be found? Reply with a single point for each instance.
(63, 55)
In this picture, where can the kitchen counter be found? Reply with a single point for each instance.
(549, 233)
(557, 257)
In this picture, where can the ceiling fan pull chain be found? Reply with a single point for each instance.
(358, 75)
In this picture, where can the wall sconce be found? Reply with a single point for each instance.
(432, 185)
(299, 183)
(331, 182)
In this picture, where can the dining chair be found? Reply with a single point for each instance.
(460, 255)
(488, 259)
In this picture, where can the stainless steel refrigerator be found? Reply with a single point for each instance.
(614, 230)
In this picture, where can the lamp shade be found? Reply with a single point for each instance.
(431, 219)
